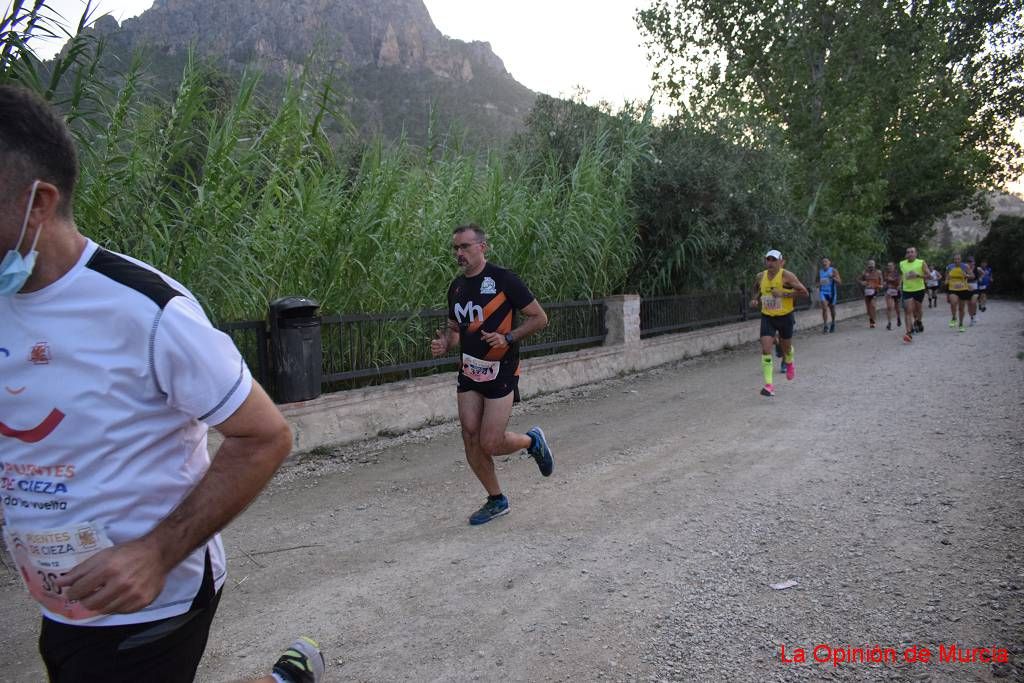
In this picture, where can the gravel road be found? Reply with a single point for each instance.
(887, 481)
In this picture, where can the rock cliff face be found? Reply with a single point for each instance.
(388, 52)
(966, 227)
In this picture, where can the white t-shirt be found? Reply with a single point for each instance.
(108, 379)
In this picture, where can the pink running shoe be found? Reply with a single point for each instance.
(768, 390)
(790, 371)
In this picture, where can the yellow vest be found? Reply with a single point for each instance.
(770, 304)
(956, 278)
(914, 284)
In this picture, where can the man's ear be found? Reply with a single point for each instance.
(45, 206)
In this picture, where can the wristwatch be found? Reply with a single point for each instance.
(509, 339)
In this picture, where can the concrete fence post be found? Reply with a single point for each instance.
(622, 319)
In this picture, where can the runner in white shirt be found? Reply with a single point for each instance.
(111, 373)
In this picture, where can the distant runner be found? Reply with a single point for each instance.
(482, 303)
(984, 282)
(959, 293)
(972, 286)
(777, 289)
(932, 285)
(828, 279)
(871, 281)
(891, 276)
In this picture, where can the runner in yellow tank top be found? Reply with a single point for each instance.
(914, 273)
(775, 290)
(958, 276)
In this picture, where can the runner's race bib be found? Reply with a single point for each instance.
(972, 286)
(770, 302)
(869, 292)
(479, 370)
(43, 556)
(892, 292)
(932, 283)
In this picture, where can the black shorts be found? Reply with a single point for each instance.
(500, 387)
(163, 651)
(783, 324)
(932, 288)
(963, 294)
(916, 296)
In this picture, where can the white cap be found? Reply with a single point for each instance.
(775, 254)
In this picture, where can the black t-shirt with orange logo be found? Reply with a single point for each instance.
(487, 302)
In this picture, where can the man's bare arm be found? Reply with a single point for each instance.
(534, 320)
(128, 577)
(793, 281)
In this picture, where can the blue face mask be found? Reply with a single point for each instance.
(15, 268)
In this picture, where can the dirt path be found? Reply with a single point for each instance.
(888, 480)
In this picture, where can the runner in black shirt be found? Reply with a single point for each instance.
(482, 303)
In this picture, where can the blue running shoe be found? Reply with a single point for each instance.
(495, 507)
(782, 367)
(540, 451)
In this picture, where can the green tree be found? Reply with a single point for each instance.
(1003, 248)
(895, 113)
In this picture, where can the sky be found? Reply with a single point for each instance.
(601, 53)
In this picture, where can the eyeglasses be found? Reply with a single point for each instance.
(464, 246)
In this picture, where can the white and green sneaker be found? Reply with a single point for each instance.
(302, 662)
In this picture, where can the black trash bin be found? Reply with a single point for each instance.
(296, 349)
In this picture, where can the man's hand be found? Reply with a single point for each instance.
(495, 339)
(118, 580)
(439, 344)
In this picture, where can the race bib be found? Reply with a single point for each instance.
(770, 302)
(43, 556)
(479, 370)
(869, 291)
(892, 292)
(972, 286)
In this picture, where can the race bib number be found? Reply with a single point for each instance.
(932, 283)
(892, 292)
(770, 302)
(869, 291)
(972, 286)
(43, 556)
(479, 370)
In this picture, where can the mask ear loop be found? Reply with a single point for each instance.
(24, 223)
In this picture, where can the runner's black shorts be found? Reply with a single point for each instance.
(163, 651)
(783, 324)
(963, 295)
(500, 387)
(916, 296)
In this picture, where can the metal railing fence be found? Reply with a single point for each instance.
(366, 349)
